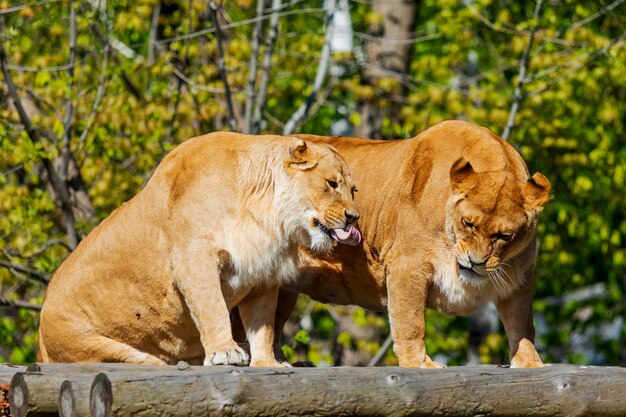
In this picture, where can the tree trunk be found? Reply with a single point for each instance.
(385, 53)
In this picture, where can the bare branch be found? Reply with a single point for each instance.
(323, 96)
(381, 352)
(153, 33)
(115, 43)
(322, 70)
(265, 69)
(179, 85)
(256, 35)
(22, 68)
(24, 6)
(19, 304)
(171, 125)
(221, 65)
(273, 120)
(195, 85)
(594, 16)
(580, 23)
(69, 107)
(11, 170)
(587, 58)
(39, 276)
(130, 85)
(36, 253)
(491, 25)
(408, 41)
(521, 77)
(57, 183)
(243, 22)
(99, 94)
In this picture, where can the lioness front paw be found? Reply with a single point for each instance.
(431, 364)
(435, 364)
(526, 356)
(521, 363)
(228, 356)
(269, 364)
(427, 363)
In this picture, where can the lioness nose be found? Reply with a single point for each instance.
(476, 262)
(350, 216)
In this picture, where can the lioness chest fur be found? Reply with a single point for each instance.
(217, 226)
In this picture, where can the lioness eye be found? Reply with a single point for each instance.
(503, 236)
(354, 190)
(468, 224)
(332, 184)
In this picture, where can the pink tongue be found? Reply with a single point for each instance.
(352, 236)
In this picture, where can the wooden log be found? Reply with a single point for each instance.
(7, 371)
(73, 398)
(560, 390)
(37, 391)
(49, 368)
(34, 394)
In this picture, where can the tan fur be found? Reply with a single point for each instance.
(452, 195)
(217, 226)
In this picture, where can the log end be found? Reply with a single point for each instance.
(67, 406)
(18, 395)
(101, 396)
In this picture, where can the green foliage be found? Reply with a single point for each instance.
(130, 111)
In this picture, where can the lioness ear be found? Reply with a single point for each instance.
(463, 176)
(301, 157)
(536, 192)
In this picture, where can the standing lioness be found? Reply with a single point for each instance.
(217, 226)
(448, 222)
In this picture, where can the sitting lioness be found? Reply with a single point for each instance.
(448, 221)
(218, 225)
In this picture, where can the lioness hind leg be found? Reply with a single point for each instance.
(109, 350)
(94, 348)
(284, 306)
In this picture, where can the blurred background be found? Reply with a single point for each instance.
(95, 92)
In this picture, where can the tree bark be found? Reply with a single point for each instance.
(38, 390)
(260, 102)
(464, 391)
(7, 372)
(73, 398)
(34, 395)
(257, 32)
(68, 368)
(398, 21)
(322, 69)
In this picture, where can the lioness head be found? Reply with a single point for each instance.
(491, 217)
(325, 186)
